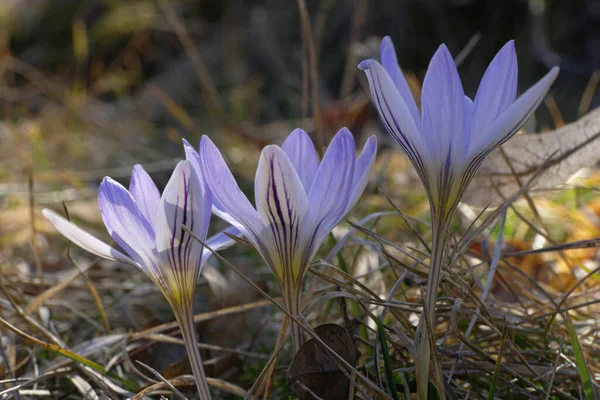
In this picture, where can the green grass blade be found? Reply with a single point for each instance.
(584, 373)
(389, 373)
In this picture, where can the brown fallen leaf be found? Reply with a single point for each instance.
(313, 368)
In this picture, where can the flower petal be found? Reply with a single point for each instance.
(390, 63)
(193, 157)
(497, 91)
(183, 204)
(85, 240)
(126, 224)
(332, 188)
(218, 242)
(394, 113)
(144, 192)
(362, 170)
(230, 203)
(511, 120)
(301, 152)
(442, 101)
(282, 204)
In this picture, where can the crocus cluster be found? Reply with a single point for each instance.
(449, 139)
(299, 200)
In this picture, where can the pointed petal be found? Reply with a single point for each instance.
(182, 205)
(395, 114)
(193, 157)
(516, 115)
(362, 170)
(390, 63)
(126, 224)
(331, 190)
(84, 240)
(497, 90)
(218, 242)
(280, 195)
(144, 192)
(468, 109)
(442, 102)
(230, 203)
(282, 204)
(301, 152)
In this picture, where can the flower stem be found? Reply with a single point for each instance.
(188, 332)
(433, 282)
(293, 305)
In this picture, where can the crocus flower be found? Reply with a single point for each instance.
(298, 202)
(451, 136)
(150, 229)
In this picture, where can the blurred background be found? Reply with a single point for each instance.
(103, 83)
(91, 87)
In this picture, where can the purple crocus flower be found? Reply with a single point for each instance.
(449, 139)
(298, 202)
(150, 229)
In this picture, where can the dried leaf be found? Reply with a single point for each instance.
(313, 367)
(572, 147)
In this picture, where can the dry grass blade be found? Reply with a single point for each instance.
(260, 382)
(561, 152)
(270, 372)
(209, 91)
(498, 363)
(349, 74)
(588, 93)
(43, 297)
(204, 317)
(307, 37)
(163, 380)
(554, 370)
(34, 233)
(467, 239)
(373, 388)
(189, 381)
(342, 242)
(52, 347)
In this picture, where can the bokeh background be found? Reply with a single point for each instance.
(91, 87)
(104, 83)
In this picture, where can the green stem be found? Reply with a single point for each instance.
(293, 304)
(433, 282)
(188, 332)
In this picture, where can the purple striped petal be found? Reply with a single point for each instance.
(497, 90)
(301, 152)
(331, 190)
(192, 156)
(390, 63)
(126, 224)
(230, 203)
(394, 113)
(442, 102)
(84, 240)
(144, 192)
(516, 115)
(182, 205)
(362, 169)
(282, 204)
